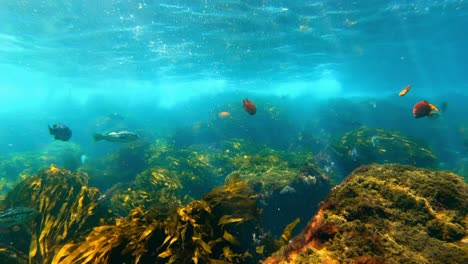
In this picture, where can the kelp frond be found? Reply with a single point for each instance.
(200, 232)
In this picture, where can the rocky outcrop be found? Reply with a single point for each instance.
(387, 214)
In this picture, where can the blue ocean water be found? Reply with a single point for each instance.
(166, 65)
(176, 72)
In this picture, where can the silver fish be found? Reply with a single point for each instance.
(374, 141)
(83, 159)
(16, 216)
(354, 154)
(119, 136)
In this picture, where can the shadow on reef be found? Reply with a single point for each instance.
(387, 214)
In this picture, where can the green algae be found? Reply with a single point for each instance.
(374, 145)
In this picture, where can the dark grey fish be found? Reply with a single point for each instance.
(60, 132)
(16, 216)
(119, 136)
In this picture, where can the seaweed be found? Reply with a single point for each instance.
(203, 231)
(67, 207)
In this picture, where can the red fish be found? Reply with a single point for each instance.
(405, 91)
(424, 108)
(249, 106)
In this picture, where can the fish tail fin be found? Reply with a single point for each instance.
(97, 136)
(50, 129)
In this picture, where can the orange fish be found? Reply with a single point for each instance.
(424, 108)
(405, 91)
(224, 114)
(249, 106)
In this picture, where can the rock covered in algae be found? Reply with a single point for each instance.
(387, 214)
(289, 185)
(122, 166)
(375, 145)
(154, 186)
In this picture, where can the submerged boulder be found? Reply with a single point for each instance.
(289, 185)
(375, 145)
(387, 214)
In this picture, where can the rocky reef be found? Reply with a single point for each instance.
(387, 214)
(288, 184)
(375, 145)
(146, 223)
(121, 166)
(234, 201)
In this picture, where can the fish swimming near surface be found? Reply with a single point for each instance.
(424, 108)
(249, 106)
(16, 216)
(119, 136)
(405, 91)
(60, 132)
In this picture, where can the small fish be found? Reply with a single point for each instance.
(83, 159)
(374, 141)
(424, 108)
(224, 114)
(16, 216)
(405, 91)
(60, 132)
(350, 23)
(354, 154)
(249, 106)
(119, 136)
(287, 189)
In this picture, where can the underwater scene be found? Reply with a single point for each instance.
(233, 131)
